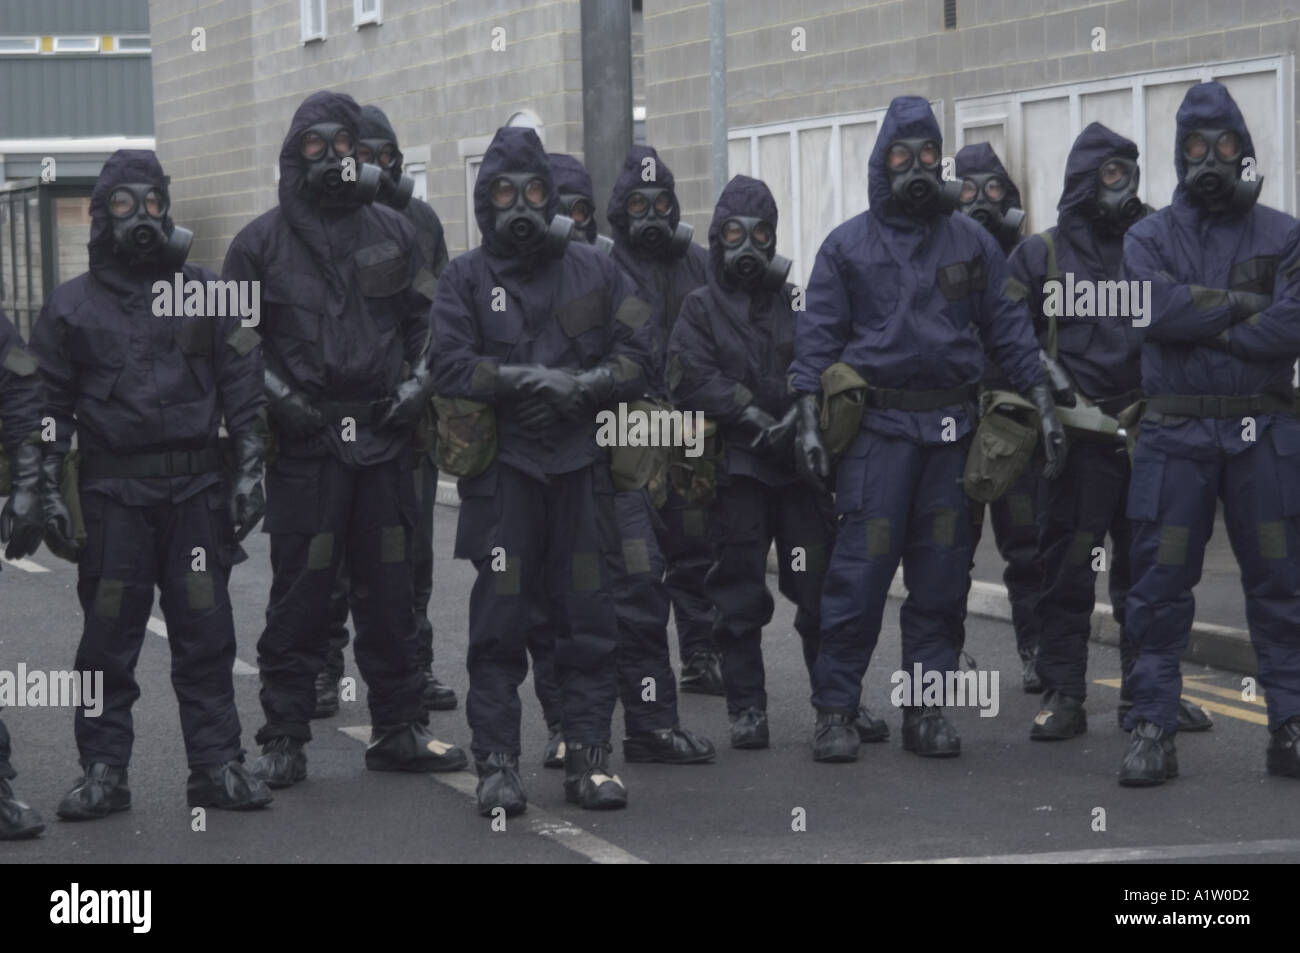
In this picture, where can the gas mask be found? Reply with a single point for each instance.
(326, 147)
(519, 202)
(580, 208)
(650, 211)
(914, 183)
(1118, 205)
(395, 189)
(137, 211)
(749, 258)
(982, 197)
(1213, 176)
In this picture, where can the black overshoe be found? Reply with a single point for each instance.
(869, 727)
(835, 737)
(18, 821)
(749, 729)
(927, 733)
(1061, 717)
(282, 763)
(327, 696)
(668, 746)
(499, 785)
(702, 674)
(1191, 716)
(437, 696)
(411, 747)
(553, 756)
(1283, 755)
(588, 780)
(1151, 757)
(1029, 680)
(102, 791)
(228, 787)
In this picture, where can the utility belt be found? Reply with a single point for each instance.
(1114, 406)
(364, 412)
(136, 466)
(885, 398)
(1218, 405)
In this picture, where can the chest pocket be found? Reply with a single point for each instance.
(194, 339)
(381, 270)
(583, 321)
(962, 279)
(100, 356)
(1255, 274)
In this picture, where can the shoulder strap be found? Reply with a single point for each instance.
(1053, 274)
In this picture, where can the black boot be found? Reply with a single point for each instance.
(499, 785)
(1284, 749)
(702, 674)
(102, 791)
(1151, 757)
(1029, 680)
(927, 732)
(1191, 716)
(282, 763)
(588, 781)
(749, 729)
(18, 821)
(668, 746)
(411, 747)
(327, 695)
(228, 786)
(1061, 717)
(437, 696)
(553, 756)
(869, 727)
(835, 737)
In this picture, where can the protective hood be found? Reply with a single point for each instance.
(979, 157)
(742, 197)
(513, 149)
(123, 167)
(1094, 146)
(570, 175)
(632, 178)
(375, 125)
(908, 117)
(1207, 105)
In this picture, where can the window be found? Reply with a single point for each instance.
(817, 171)
(366, 12)
(416, 170)
(128, 44)
(20, 44)
(1033, 130)
(76, 44)
(313, 20)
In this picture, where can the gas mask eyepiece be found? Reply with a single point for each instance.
(137, 211)
(650, 211)
(749, 258)
(1118, 204)
(914, 181)
(1213, 178)
(984, 197)
(580, 208)
(519, 203)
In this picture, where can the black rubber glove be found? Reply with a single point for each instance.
(407, 403)
(22, 523)
(810, 456)
(247, 500)
(54, 509)
(536, 414)
(1053, 432)
(293, 412)
(751, 424)
(1246, 303)
(595, 387)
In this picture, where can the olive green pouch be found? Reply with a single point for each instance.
(1002, 447)
(467, 435)
(844, 400)
(635, 467)
(696, 478)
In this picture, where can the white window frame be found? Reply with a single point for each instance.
(1007, 108)
(361, 18)
(61, 44)
(35, 47)
(117, 45)
(305, 16)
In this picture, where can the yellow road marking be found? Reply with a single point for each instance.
(1241, 714)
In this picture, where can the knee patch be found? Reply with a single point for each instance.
(636, 556)
(392, 544)
(878, 536)
(586, 572)
(1272, 539)
(200, 593)
(320, 552)
(1080, 548)
(108, 598)
(694, 522)
(509, 582)
(1173, 546)
(945, 527)
(1021, 509)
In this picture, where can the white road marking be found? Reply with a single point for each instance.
(26, 565)
(1113, 855)
(537, 821)
(159, 627)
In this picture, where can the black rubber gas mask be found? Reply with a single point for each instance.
(519, 201)
(1118, 204)
(915, 185)
(336, 177)
(137, 211)
(1213, 177)
(984, 198)
(649, 211)
(583, 212)
(395, 189)
(749, 258)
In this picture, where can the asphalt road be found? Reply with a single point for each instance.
(1003, 798)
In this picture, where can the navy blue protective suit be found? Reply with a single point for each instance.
(539, 523)
(729, 350)
(139, 389)
(912, 305)
(340, 317)
(433, 259)
(665, 283)
(1183, 462)
(1101, 356)
(1015, 514)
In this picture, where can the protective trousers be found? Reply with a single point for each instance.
(688, 554)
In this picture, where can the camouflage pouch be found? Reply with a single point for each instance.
(635, 467)
(844, 400)
(70, 488)
(1130, 418)
(696, 478)
(467, 435)
(1002, 446)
